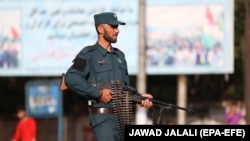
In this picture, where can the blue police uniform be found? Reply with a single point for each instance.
(93, 64)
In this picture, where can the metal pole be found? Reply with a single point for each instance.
(141, 113)
(181, 98)
(60, 128)
(60, 117)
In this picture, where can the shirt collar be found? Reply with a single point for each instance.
(103, 51)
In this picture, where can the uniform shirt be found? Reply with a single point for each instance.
(25, 130)
(94, 64)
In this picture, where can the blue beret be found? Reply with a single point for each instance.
(107, 18)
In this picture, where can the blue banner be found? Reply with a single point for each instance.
(43, 98)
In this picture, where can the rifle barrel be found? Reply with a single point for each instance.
(161, 103)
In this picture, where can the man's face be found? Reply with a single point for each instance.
(110, 33)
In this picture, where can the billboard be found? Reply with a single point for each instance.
(189, 36)
(41, 38)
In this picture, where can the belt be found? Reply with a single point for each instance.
(101, 110)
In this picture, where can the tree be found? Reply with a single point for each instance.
(247, 60)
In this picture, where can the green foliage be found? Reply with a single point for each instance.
(235, 89)
(239, 19)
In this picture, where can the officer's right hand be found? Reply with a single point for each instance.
(106, 95)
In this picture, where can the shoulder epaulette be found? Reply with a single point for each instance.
(118, 51)
(88, 49)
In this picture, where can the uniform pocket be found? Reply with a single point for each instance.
(123, 66)
(102, 68)
(124, 71)
(102, 71)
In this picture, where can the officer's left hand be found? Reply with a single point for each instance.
(147, 103)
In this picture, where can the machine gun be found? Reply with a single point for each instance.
(137, 97)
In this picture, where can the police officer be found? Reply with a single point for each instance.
(101, 63)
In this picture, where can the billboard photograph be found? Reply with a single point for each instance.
(191, 37)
